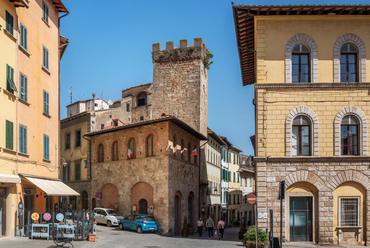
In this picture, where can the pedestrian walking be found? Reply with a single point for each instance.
(200, 226)
(210, 224)
(221, 228)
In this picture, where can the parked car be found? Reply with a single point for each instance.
(139, 222)
(107, 216)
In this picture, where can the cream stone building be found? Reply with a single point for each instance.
(310, 70)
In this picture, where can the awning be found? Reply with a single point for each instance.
(52, 187)
(6, 178)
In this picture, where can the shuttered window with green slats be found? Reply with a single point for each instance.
(23, 33)
(45, 12)
(9, 22)
(64, 173)
(9, 135)
(10, 86)
(45, 57)
(46, 102)
(77, 172)
(22, 139)
(23, 87)
(46, 147)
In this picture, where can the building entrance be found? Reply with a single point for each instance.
(300, 219)
(2, 212)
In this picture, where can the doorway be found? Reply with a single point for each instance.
(143, 206)
(300, 219)
(177, 215)
(2, 211)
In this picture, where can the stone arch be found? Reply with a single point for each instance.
(308, 41)
(110, 196)
(304, 176)
(357, 41)
(351, 110)
(349, 176)
(140, 191)
(302, 110)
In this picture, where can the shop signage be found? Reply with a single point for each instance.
(35, 216)
(47, 216)
(59, 217)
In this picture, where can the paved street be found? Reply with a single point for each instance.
(115, 238)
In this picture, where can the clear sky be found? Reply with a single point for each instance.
(111, 41)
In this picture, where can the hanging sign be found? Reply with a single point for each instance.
(35, 216)
(59, 217)
(47, 216)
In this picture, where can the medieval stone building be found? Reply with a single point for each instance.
(310, 70)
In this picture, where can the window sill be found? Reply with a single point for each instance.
(23, 154)
(65, 149)
(46, 160)
(9, 93)
(78, 146)
(8, 150)
(45, 70)
(23, 101)
(45, 114)
(10, 35)
(47, 24)
(24, 51)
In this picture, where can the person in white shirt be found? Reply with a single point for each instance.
(200, 226)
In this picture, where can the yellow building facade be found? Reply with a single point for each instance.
(310, 69)
(29, 122)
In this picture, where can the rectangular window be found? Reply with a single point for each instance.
(46, 147)
(9, 22)
(234, 177)
(23, 34)
(229, 198)
(46, 102)
(10, 85)
(78, 138)
(67, 141)
(127, 107)
(229, 176)
(9, 135)
(45, 57)
(64, 173)
(238, 199)
(237, 177)
(45, 12)
(68, 173)
(23, 87)
(349, 211)
(234, 199)
(85, 163)
(22, 139)
(77, 172)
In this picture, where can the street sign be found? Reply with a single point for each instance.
(252, 199)
(98, 194)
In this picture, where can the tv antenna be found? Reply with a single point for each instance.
(71, 92)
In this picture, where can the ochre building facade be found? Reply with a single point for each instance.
(311, 79)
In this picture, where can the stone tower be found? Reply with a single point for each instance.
(180, 83)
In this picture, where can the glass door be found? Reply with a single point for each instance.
(300, 219)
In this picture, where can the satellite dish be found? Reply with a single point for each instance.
(110, 102)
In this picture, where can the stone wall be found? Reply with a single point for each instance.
(325, 174)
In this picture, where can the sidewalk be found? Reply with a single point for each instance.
(230, 234)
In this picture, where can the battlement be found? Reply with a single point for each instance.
(182, 53)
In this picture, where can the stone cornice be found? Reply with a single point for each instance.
(312, 85)
(308, 159)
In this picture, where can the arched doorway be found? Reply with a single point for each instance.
(177, 213)
(85, 200)
(301, 222)
(143, 206)
(142, 197)
(191, 209)
(109, 198)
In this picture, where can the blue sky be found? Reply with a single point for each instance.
(110, 44)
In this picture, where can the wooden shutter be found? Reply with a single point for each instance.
(64, 173)
(68, 173)
(9, 135)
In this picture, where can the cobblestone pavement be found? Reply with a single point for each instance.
(115, 238)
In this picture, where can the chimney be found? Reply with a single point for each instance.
(93, 103)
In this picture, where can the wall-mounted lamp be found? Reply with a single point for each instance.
(64, 163)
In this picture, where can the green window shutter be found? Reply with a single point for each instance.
(64, 172)
(9, 135)
(22, 139)
(237, 177)
(77, 172)
(46, 102)
(68, 173)
(238, 199)
(46, 147)
(23, 87)
(10, 86)
(229, 175)
(9, 22)
(234, 176)
(45, 12)
(23, 36)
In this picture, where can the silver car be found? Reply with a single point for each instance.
(107, 216)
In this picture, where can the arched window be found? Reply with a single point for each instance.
(100, 153)
(174, 143)
(131, 149)
(301, 133)
(348, 63)
(182, 148)
(349, 135)
(149, 146)
(141, 99)
(115, 151)
(189, 151)
(301, 64)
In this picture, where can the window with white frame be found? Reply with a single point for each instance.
(301, 136)
(349, 211)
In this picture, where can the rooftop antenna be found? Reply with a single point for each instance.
(102, 93)
(70, 91)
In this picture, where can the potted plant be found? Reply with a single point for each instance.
(249, 238)
(242, 229)
(184, 232)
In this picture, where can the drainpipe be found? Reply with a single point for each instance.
(199, 176)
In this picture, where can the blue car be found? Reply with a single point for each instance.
(139, 222)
